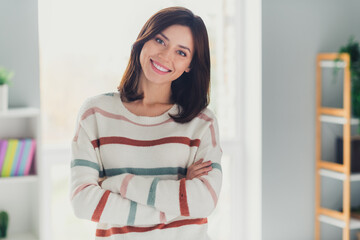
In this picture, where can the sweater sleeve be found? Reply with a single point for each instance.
(89, 201)
(193, 198)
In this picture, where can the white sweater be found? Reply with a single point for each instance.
(144, 160)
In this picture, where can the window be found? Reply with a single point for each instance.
(85, 46)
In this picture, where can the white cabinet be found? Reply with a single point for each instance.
(21, 196)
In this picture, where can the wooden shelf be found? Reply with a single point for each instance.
(337, 167)
(354, 223)
(20, 112)
(341, 116)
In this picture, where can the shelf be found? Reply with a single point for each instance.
(21, 236)
(354, 223)
(338, 120)
(331, 64)
(340, 176)
(20, 113)
(19, 179)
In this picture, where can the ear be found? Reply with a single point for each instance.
(188, 69)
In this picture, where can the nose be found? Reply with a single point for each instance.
(165, 54)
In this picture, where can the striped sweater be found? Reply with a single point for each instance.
(144, 161)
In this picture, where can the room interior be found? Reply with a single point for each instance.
(273, 167)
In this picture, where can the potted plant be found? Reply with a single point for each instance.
(4, 222)
(5, 77)
(352, 48)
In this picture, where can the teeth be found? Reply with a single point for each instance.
(160, 68)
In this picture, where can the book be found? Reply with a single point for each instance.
(3, 148)
(30, 157)
(18, 156)
(9, 158)
(26, 159)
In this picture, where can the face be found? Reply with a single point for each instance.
(168, 55)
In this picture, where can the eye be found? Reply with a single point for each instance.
(181, 53)
(159, 40)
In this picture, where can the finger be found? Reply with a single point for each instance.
(199, 161)
(201, 174)
(207, 163)
(199, 166)
(200, 171)
(203, 165)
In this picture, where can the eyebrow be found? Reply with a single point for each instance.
(179, 45)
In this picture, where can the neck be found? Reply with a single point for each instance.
(154, 93)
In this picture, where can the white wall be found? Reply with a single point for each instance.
(293, 33)
(19, 50)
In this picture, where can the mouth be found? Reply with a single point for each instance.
(160, 69)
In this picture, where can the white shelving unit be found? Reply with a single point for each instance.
(354, 223)
(339, 176)
(338, 120)
(21, 195)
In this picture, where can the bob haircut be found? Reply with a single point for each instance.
(190, 90)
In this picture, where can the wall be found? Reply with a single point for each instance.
(293, 32)
(19, 50)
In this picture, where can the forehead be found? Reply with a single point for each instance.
(180, 35)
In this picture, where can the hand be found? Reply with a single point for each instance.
(101, 180)
(198, 169)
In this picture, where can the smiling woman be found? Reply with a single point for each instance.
(151, 168)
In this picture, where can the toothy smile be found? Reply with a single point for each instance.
(159, 67)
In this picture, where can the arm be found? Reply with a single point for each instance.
(195, 198)
(91, 202)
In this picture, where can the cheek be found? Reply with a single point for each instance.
(145, 50)
(142, 57)
(184, 66)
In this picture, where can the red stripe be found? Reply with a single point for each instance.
(100, 207)
(212, 130)
(205, 117)
(125, 184)
(129, 229)
(94, 110)
(211, 189)
(184, 208)
(80, 188)
(77, 134)
(88, 113)
(145, 143)
(162, 217)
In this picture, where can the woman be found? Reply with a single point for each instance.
(146, 159)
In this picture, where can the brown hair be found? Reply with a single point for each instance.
(190, 90)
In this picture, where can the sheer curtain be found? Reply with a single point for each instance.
(84, 47)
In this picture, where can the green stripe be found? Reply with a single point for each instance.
(152, 192)
(132, 213)
(86, 163)
(146, 171)
(136, 171)
(216, 165)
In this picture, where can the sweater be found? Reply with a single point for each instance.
(142, 163)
